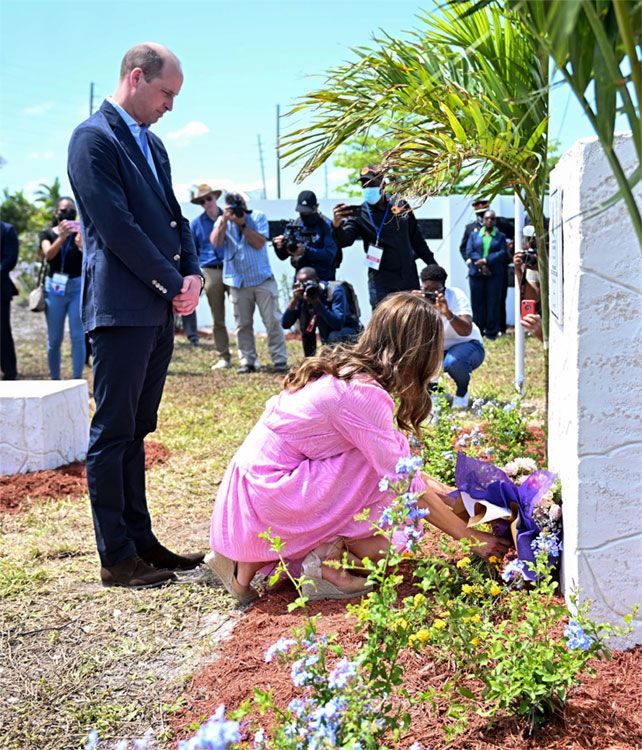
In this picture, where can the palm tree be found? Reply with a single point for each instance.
(48, 195)
(466, 96)
(595, 45)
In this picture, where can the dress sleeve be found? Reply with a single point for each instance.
(364, 417)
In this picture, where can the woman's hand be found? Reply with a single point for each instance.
(488, 545)
(65, 228)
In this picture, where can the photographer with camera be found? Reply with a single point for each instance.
(390, 234)
(329, 306)
(247, 273)
(63, 287)
(527, 278)
(463, 345)
(308, 240)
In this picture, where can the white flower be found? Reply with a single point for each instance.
(511, 468)
(526, 464)
(384, 485)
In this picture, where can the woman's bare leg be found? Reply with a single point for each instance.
(245, 571)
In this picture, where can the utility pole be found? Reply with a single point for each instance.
(278, 150)
(91, 98)
(264, 196)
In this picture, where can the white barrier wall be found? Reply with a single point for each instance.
(43, 424)
(595, 386)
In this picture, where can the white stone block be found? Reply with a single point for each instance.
(595, 387)
(43, 424)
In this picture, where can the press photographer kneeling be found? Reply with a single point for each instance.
(463, 347)
(329, 306)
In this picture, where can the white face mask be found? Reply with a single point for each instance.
(371, 195)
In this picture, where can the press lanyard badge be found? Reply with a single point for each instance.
(375, 252)
(59, 283)
(373, 256)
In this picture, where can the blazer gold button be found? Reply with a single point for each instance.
(177, 257)
(173, 224)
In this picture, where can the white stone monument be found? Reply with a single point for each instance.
(595, 382)
(43, 424)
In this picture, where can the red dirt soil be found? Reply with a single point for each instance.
(20, 490)
(603, 712)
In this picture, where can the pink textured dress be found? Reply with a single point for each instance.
(311, 463)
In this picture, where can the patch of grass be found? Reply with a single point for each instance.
(77, 656)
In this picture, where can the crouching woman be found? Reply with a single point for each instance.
(316, 456)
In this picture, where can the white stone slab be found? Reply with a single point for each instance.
(595, 388)
(43, 424)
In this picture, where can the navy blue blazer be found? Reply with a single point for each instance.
(9, 246)
(497, 253)
(137, 245)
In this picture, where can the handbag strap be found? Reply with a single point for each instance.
(42, 272)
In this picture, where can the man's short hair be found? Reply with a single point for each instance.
(142, 56)
(433, 273)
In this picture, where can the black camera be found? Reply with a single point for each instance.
(311, 290)
(66, 214)
(293, 235)
(238, 209)
(530, 259)
(431, 297)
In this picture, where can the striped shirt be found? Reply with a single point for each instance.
(243, 264)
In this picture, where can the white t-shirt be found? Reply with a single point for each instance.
(459, 305)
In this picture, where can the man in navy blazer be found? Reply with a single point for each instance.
(139, 266)
(486, 256)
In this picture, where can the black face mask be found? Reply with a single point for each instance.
(308, 220)
(66, 214)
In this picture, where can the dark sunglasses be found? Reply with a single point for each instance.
(208, 198)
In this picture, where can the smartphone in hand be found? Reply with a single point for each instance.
(527, 308)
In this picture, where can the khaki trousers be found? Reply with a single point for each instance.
(215, 291)
(244, 302)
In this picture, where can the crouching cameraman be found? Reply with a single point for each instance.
(331, 307)
(308, 240)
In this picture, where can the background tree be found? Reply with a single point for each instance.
(596, 46)
(466, 95)
(48, 195)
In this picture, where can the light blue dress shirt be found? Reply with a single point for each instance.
(243, 264)
(139, 132)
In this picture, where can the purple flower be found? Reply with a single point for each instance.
(343, 672)
(300, 672)
(92, 740)
(515, 572)
(280, 647)
(409, 464)
(547, 543)
(576, 637)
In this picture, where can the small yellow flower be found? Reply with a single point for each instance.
(439, 624)
(418, 600)
(475, 618)
(422, 635)
(402, 624)
(444, 613)
(495, 589)
(494, 560)
(475, 641)
(467, 588)
(463, 563)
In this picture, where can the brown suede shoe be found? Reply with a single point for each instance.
(163, 559)
(134, 573)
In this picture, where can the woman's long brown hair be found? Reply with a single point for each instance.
(401, 348)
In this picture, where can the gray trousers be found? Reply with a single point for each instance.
(215, 291)
(244, 302)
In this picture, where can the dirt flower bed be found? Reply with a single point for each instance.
(604, 712)
(19, 490)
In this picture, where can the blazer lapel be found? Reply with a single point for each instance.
(126, 139)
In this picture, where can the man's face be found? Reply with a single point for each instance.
(304, 276)
(431, 285)
(152, 100)
(209, 204)
(489, 219)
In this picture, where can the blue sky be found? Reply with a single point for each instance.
(239, 58)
